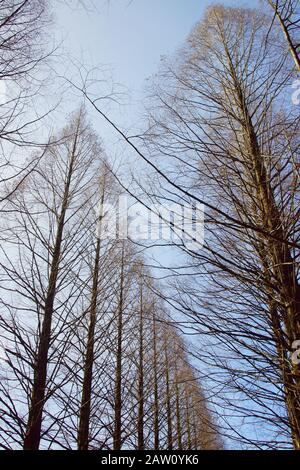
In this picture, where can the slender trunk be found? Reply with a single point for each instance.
(178, 415)
(292, 47)
(117, 435)
(155, 405)
(168, 401)
(34, 424)
(140, 423)
(188, 421)
(85, 408)
(195, 433)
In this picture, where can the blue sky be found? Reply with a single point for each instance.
(129, 38)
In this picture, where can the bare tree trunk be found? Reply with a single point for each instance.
(284, 25)
(33, 431)
(117, 435)
(84, 418)
(155, 405)
(188, 420)
(283, 264)
(85, 409)
(140, 423)
(168, 400)
(178, 415)
(195, 433)
(284, 271)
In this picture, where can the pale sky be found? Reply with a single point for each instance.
(129, 37)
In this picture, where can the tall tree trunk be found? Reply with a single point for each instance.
(140, 423)
(188, 420)
(34, 424)
(85, 408)
(117, 435)
(178, 414)
(283, 264)
(284, 26)
(168, 400)
(195, 432)
(284, 272)
(155, 386)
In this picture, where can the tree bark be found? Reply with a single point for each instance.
(155, 404)
(283, 264)
(117, 435)
(168, 401)
(292, 47)
(178, 414)
(85, 409)
(140, 423)
(188, 421)
(34, 424)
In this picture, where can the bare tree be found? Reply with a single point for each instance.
(287, 13)
(224, 128)
(47, 234)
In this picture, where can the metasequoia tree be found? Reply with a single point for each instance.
(287, 14)
(46, 238)
(21, 26)
(155, 385)
(83, 431)
(117, 433)
(223, 125)
(22, 55)
(81, 147)
(140, 421)
(98, 431)
(187, 423)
